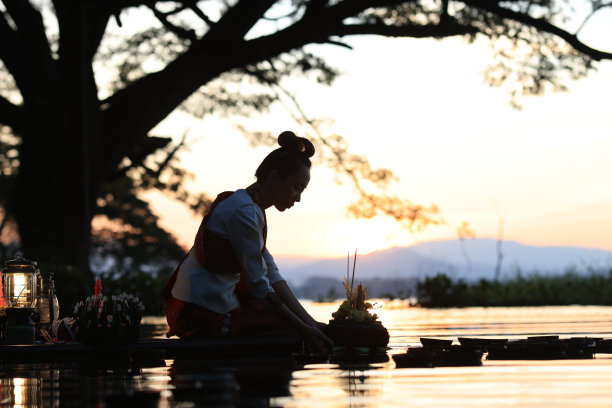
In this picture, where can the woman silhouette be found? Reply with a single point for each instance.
(228, 283)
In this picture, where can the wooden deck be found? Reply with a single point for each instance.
(154, 348)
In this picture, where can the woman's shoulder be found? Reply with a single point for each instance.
(240, 203)
(239, 198)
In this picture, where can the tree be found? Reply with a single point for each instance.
(66, 135)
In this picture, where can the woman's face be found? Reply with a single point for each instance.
(286, 191)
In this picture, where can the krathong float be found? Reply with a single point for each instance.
(354, 324)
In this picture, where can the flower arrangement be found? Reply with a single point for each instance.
(353, 324)
(108, 321)
(355, 307)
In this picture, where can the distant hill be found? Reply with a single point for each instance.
(468, 259)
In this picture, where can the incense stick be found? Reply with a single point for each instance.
(354, 262)
(348, 256)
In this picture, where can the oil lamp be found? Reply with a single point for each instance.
(47, 307)
(19, 278)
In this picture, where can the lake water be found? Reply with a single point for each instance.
(278, 381)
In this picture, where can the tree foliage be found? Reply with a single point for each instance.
(591, 287)
(79, 139)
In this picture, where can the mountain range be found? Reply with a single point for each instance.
(468, 259)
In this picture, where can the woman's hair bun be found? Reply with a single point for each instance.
(290, 141)
(293, 153)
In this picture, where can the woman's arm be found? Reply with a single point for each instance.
(285, 293)
(247, 240)
(287, 296)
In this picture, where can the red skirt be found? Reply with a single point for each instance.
(191, 321)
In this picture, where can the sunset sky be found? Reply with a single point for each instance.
(421, 109)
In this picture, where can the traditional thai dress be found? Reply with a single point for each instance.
(219, 287)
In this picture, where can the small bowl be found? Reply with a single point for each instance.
(435, 343)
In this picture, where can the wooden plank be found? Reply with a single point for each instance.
(168, 348)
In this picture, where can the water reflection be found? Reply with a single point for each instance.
(358, 379)
(328, 386)
(357, 384)
(75, 384)
(21, 392)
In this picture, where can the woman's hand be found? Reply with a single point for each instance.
(289, 308)
(317, 339)
(319, 325)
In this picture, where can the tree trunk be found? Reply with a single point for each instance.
(59, 179)
(54, 197)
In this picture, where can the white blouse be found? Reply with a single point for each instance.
(241, 221)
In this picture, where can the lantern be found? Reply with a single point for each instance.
(19, 279)
(47, 306)
(19, 283)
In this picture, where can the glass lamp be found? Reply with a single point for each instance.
(19, 283)
(19, 295)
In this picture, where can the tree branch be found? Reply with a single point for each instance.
(146, 147)
(25, 51)
(10, 52)
(192, 4)
(350, 8)
(169, 157)
(98, 19)
(220, 50)
(428, 30)
(592, 13)
(83, 24)
(12, 115)
(542, 25)
(315, 7)
(119, 5)
(358, 169)
(179, 31)
(158, 94)
(31, 33)
(239, 20)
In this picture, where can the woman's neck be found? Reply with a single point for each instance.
(256, 192)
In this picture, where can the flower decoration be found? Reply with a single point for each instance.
(355, 307)
(108, 321)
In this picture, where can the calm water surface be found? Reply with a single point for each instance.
(262, 381)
